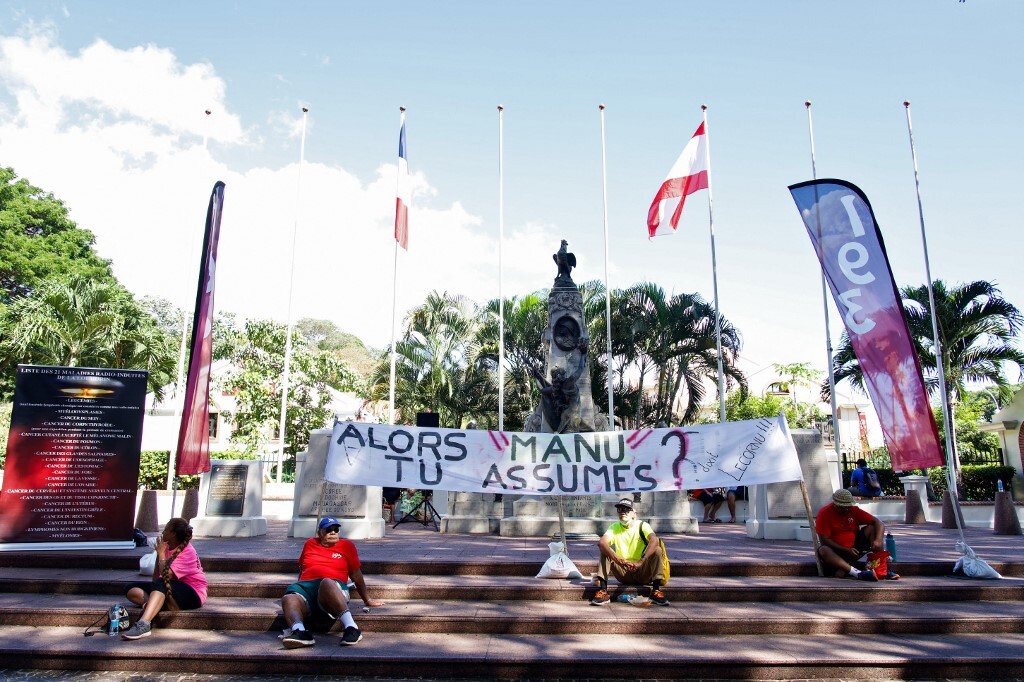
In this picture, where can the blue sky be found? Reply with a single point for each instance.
(116, 129)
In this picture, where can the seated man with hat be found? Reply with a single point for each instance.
(631, 552)
(846, 534)
(326, 564)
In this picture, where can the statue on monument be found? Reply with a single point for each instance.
(560, 398)
(566, 262)
(566, 404)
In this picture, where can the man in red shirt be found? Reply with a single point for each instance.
(326, 565)
(847, 533)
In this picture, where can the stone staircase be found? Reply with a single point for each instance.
(492, 619)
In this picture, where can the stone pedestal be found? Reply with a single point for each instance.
(190, 507)
(914, 508)
(146, 520)
(949, 514)
(473, 513)
(778, 508)
(916, 490)
(537, 516)
(231, 500)
(1005, 521)
(357, 508)
(667, 512)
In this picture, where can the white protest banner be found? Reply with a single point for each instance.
(707, 456)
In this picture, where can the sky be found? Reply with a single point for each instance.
(103, 105)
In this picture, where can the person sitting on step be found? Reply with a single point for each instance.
(712, 500)
(846, 533)
(178, 579)
(326, 564)
(631, 552)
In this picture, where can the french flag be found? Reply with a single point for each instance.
(404, 192)
(689, 174)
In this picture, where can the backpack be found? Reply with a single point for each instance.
(666, 568)
(871, 478)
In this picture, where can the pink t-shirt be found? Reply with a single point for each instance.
(188, 570)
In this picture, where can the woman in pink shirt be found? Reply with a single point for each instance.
(178, 581)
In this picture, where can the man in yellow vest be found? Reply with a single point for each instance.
(631, 552)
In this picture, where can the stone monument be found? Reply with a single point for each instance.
(231, 500)
(357, 507)
(567, 406)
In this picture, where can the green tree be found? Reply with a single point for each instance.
(438, 364)
(257, 382)
(40, 241)
(77, 321)
(671, 342)
(326, 336)
(977, 328)
(525, 322)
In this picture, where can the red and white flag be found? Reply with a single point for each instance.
(404, 193)
(689, 174)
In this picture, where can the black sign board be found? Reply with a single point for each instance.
(227, 490)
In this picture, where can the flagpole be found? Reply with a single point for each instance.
(714, 268)
(824, 303)
(952, 458)
(501, 296)
(282, 426)
(178, 410)
(394, 292)
(607, 286)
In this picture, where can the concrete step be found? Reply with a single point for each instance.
(491, 588)
(553, 617)
(504, 656)
(475, 565)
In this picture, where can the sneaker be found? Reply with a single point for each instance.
(892, 575)
(138, 631)
(868, 575)
(601, 597)
(298, 638)
(351, 636)
(658, 597)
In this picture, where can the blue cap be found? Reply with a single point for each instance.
(327, 522)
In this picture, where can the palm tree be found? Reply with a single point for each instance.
(671, 340)
(977, 327)
(431, 363)
(525, 322)
(78, 321)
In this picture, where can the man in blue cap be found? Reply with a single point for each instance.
(326, 565)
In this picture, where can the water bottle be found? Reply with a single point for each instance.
(999, 485)
(890, 546)
(623, 598)
(113, 621)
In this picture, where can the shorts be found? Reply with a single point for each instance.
(710, 498)
(740, 492)
(184, 596)
(308, 590)
(860, 542)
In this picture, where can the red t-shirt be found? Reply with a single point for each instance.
(840, 524)
(317, 561)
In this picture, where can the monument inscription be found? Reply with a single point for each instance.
(227, 490)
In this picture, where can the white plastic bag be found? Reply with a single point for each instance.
(558, 565)
(971, 566)
(147, 564)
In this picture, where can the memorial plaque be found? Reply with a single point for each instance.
(227, 490)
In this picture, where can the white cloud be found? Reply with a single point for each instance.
(117, 135)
